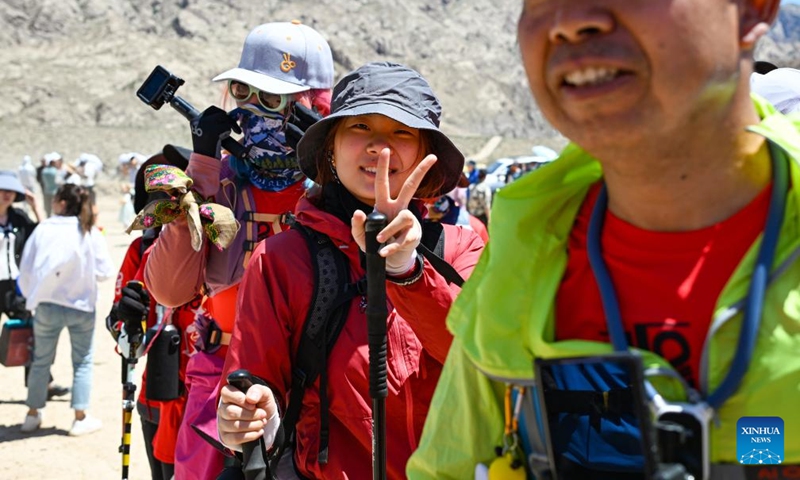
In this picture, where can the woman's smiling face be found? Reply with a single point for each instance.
(357, 144)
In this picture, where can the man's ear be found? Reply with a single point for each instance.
(757, 17)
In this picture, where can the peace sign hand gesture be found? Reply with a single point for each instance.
(404, 232)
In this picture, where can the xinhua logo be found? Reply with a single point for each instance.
(759, 440)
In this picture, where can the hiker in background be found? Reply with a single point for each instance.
(380, 148)
(513, 173)
(283, 67)
(472, 172)
(128, 166)
(61, 264)
(127, 171)
(480, 198)
(652, 230)
(17, 227)
(445, 210)
(442, 209)
(52, 178)
(160, 420)
(88, 166)
(27, 175)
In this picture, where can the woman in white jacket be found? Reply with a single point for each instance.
(61, 264)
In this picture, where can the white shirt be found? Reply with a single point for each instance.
(61, 265)
(89, 173)
(781, 87)
(8, 265)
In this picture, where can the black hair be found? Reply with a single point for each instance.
(763, 67)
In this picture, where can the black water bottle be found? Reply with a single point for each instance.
(163, 363)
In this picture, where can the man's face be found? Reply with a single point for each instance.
(606, 72)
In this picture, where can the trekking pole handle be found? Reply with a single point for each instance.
(252, 466)
(376, 305)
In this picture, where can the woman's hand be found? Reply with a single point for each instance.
(404, 232)
(241, 417)
(30, 198)
(38, 213)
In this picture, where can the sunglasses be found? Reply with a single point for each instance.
(271, 101)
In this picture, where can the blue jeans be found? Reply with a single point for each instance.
(48, 322)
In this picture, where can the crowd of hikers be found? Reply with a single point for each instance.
(652, 267)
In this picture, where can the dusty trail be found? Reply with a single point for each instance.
(49, 452)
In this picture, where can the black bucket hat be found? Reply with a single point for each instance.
(169, 155)
(392, 90)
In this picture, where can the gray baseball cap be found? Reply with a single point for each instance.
(392, 90)
(283, 58)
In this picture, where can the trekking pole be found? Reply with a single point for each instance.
(133, 334)
(254, 462)
(376, 331)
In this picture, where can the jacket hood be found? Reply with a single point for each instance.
(499, 312)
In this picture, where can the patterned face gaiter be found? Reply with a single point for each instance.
(271, 165)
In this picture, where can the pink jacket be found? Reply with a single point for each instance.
(274, 298)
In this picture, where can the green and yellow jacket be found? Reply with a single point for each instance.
(504, 317)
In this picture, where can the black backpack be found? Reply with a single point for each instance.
(326, 317)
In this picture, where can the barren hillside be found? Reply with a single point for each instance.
(71, 67)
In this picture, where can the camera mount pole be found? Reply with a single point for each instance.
(161, 86)
(134, 337)
(376, 332)
(184, 108)
(190, 113)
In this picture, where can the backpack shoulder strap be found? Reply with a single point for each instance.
(432, 248)
(326, 317)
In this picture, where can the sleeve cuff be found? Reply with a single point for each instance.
(411, 276)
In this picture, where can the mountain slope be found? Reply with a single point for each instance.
(72, 66)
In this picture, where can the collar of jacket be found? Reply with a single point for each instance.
(322, 221)
(508, 303)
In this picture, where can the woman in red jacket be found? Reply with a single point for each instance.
(380, 147)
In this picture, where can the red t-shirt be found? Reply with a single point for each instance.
(667, 283)
(276, 203)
